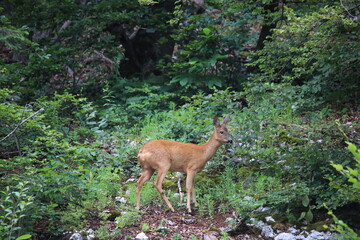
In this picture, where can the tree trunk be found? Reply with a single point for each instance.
(268, 23)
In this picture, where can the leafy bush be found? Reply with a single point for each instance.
(311, 57)
(353, 176)
(15, 206)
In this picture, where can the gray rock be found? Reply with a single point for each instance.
(121, 199)
(90, 234)
(76, 236)
(315, 235)
(188, 220)
(285, 236)
(293, 230)
(171, 223)
(269, 219)
(141, 236)
(267, 231)
(210, 236)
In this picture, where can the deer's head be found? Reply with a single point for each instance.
(221, 132)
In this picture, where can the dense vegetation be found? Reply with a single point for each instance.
(84, 83)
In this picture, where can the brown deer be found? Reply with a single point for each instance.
(165, 155)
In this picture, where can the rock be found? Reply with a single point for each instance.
(315, 235)
(269, 219)
(225, 230)
(267, 232)
(293, 230)
(258, 224)
(263, 209)
(211, 236)
(90, 234)
(248, 198)
(171, 223)
(76, 236)
(285, 236)
(141, 236)
(188, 221)
(131, 180)
(121, 199)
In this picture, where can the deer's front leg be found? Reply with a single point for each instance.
(193, 193)
(189, 188)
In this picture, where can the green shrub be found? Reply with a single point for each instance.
(15, 206)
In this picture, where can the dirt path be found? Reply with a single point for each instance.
(162, 224)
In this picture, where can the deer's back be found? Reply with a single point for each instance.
(165, 153)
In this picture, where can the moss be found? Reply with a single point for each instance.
(170, 185)
(114, 214)
(206, 178)
(243, 172)
(279, 226)
(284, 137)
(318, 226)
(129, 185)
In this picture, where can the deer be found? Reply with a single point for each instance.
(166, 155)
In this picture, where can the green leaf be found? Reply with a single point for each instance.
(184, 81)
(302, 216)
(305, 201)
(206, 31)
(338, 167)
(26, 236)
(309, 216)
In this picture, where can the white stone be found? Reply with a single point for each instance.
(131, 180)
(141, 236)
(76, 236)
(121, 199)
(293, 230)
(171, 223)
(315, 235)
(269, 219)
(267, 232)
(210, 236)
(248, 198)
(263, 209)
(90, 234)
(285, 236)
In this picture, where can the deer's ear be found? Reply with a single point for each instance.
(216, 121)
(226, 120)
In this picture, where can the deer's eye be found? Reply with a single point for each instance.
(221, 132)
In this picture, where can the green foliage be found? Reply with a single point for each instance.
(312, 54)
(15, 205)
(11, 36)
(209, 47)
(345, 232)
(353, 175)
(92, 85)
(149, 194)
(128, 219)
(103, 233)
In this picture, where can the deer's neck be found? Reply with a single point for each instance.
(211, 147)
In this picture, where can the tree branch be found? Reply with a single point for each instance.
(22, 122)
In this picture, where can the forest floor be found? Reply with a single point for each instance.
(162, 224)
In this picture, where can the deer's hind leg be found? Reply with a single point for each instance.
(145, 176)
(158, 185)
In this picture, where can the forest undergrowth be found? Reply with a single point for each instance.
(84, 84)
(72, 169)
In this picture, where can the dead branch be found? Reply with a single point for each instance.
(22, 122)
(104, 57)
